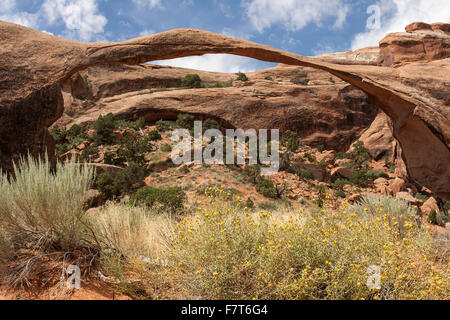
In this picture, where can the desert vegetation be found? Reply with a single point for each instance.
(224, 249)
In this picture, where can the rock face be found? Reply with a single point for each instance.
(420, 42)
(35, 65)
(328, 113)
(378, 139)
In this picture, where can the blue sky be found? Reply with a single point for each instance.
(306, 27)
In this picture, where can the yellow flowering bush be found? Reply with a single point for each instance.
(225, 252)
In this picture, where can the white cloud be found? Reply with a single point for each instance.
(397, 14)
(80, 17)
(294, 14)
(214, 62)
(10, 13)
(146, 32)
(147, 3)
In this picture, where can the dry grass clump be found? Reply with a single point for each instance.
(132, 232)
(42, 213)
(45, 208)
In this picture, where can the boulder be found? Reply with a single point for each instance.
(342, 172)
(409, 198)
(429, 205)
(397, 185)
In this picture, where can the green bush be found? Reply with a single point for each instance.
(128, 177)
(375, 174)
(89, 154)
(241, 77)
(133, 148)
(306, 175)
(164, 126)
(338, 183)
(269, 78)
(249, 203)
(252, 173)
(340, 193)
(191, 81)
(359, 178)
(301, 81)
(433, 217)
(135, 125)
(290, 140)
(107, 187)
(104, 130)
(266, 188)
(166, 147)
(185, 121)
(59, 135)
(171, 199)
(77, 131)
(154, 135)
(210, 124)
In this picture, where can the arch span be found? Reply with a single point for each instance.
(35, 64)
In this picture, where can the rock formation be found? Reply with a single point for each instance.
(327, 112)
(35, 65)
(420, 42)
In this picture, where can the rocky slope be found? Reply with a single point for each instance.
(31, 82)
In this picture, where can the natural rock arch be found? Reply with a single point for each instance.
(35, 64)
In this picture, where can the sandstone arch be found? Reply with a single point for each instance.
(34, 64)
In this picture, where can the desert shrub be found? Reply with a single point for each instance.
(359, 154)
(338, 183)
(104, 130)
(241, 77)
(133, 148)
(66, 140)
(306, 175)
(165, 147)
(128, 177)
(340, 194)
(89, 154)
(135, 125)
(301, 81)
(252, 173)
(191, 81)
(112, 159)
(59, 135)
(372, 204)
(375, 174)
(249, 203)
(164, 126)
(290, 140)
(225, 253)
(185, 121)
(266, 188)
(44, 209)
(269, 78)
(359, 178)
(107, 186)
(171, 199)
(433, 217)
(331, 80)
(77, 131)
(210, 124)
(154, 135)
(422, 197)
